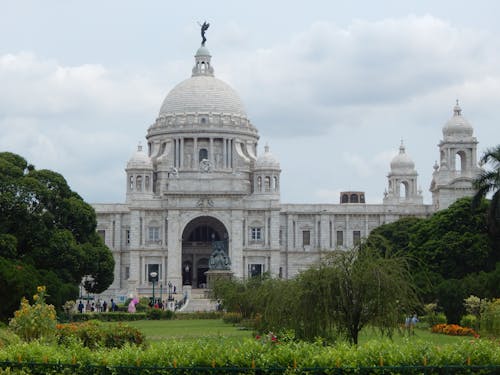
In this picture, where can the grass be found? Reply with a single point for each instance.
(160, 330)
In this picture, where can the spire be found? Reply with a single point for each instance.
(402, 147)
(457, 111)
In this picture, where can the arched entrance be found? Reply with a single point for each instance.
(197, 239)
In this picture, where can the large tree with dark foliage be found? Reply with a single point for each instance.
(454, 254)
(47, 236)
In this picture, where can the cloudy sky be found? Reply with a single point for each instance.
(332, 86)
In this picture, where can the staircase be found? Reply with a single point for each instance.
(198, 302)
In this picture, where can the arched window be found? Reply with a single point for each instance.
(259, 183)
(131, 182)
(354, 198)
(138, 183)
(146, 183)
(202, 154)
(345, 198)
(403, 190)
(267, 183)
(460, 161)
(275, 183)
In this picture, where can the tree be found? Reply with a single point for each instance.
(489, 182)
(359, 287)
(452, 254)
(349, 290)
(47, 228)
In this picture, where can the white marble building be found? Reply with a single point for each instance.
(200, 179)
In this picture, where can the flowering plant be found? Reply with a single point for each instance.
(453, 330)
(37, 321)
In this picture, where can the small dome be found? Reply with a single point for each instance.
(203, 51)
(402, 162)
(139, 160)
(267, 160)
(457, 126)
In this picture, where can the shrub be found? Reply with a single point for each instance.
(157, 314)
(490, 318)
(109, 317)
(37, 321)
(470, 321)
(433, 318)
(93, 334)
(232, 317)
(453, 330)
(8, 337)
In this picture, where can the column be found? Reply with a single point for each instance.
(211, 152)
(224, 153)
(235, 244)
(181, 153)
(174, 251)
(195, 153)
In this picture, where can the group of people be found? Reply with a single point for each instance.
(99, 306)
(411, 323)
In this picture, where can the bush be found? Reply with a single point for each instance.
(490, 318)
(453, 330)
(93, 334)
(8, 337)
(37, 321)
(470, 321)
(157, 314)
(109, 317)
(433, 319)
(232, 318)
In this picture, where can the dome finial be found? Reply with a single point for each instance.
(402, 147)
(266, 147)
(457, 111)
(139, 146)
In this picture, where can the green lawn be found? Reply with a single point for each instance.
(159, 330)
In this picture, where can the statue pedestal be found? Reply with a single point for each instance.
(214, 275)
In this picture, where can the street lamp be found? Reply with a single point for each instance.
(170, 298)
(153, 279)
(188, 278)
(161, 292)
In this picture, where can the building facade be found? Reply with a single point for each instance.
(199, 179)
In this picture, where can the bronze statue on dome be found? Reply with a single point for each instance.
(204, 28)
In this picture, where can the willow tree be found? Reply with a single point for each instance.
(353, 289)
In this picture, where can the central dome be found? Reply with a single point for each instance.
(203, 94)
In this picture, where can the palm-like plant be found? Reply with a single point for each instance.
(489, 182)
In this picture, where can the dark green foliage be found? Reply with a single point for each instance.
(157, 314)
(453, 254)
(48, 231)
(108, 317)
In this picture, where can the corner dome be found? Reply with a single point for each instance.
(139, 160)
(402, 163)
(202, 94)
(457, 126)
(267, 160)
